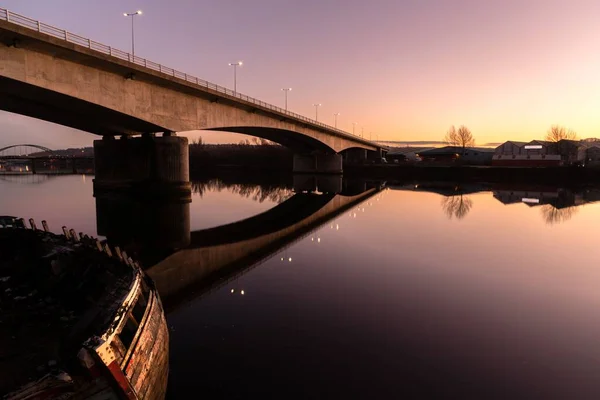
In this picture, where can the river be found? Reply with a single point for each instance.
(414, 290)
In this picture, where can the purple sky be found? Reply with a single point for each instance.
(405, 70)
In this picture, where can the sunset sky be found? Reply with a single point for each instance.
(404, 70)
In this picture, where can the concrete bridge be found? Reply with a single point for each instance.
(54, 75)
(211, 257)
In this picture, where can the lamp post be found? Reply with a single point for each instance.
(133, 14)
(235, 65)
(286, 90)
(353, 127)
(335, 121)
(317, 105)
(362, 131)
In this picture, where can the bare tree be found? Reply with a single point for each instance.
(457, 206)
(557, 133)
(461, 137)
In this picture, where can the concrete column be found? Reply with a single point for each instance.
(145, 166)
(355, 156)
(318, 163)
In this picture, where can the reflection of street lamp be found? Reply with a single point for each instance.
(138, 12)
(335, 116)
(286, 90)
(317, 111)
(235, 65)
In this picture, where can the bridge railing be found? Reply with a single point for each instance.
(38, 26)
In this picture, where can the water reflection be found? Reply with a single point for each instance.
(456, 206)
(260, 193)
(186, 264)
(553, 215)
(344, 307)
(556, 205)
(26, 179)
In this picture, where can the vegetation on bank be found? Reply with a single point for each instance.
(258, 154)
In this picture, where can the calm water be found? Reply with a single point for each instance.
(415, 291)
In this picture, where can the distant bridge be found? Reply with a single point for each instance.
(34, 159)
(22, 150)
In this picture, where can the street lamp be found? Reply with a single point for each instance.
(335, 122)
(235, 65)
(286, 90)
(317, 111)
(362, 131)
(353, 127)
(133, 14)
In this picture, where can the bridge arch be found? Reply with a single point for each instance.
(15, 146)
(295, 141)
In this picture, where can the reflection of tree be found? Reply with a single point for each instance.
(258, 193)
(553, 215)
(457, 206)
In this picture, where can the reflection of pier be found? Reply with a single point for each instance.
(185, 264)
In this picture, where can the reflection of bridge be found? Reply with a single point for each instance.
(212, 256)
(61, 77)
(30, 179)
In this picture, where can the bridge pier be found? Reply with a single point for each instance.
(318, 163)
(355, 156)
(148, 166)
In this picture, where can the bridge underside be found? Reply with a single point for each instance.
(48, 105)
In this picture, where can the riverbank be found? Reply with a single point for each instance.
(549, 175)
(556, 175)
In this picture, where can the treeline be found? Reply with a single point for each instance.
(275, 191)
(256, 154)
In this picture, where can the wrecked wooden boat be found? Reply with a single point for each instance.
(78, 319)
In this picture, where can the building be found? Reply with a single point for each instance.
(457, 154)
(537, 153)
(540, 153)
(405, 154)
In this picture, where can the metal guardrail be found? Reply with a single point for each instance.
(41, 27)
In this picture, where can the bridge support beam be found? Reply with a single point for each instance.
(317, 163)
(156, 167)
